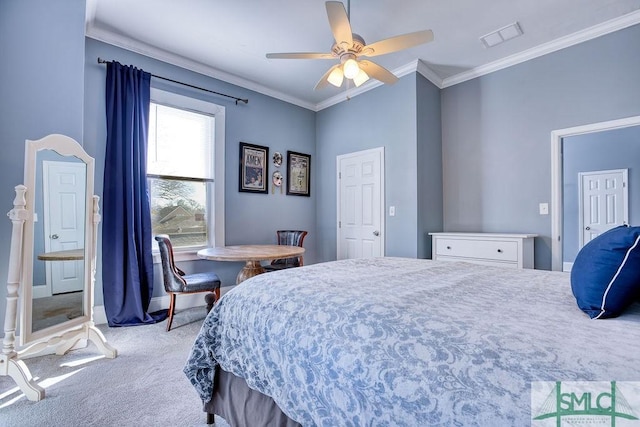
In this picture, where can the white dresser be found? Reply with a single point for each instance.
(505, 250)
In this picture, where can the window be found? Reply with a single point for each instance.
(185, 170)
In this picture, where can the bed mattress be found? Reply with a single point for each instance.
(407, 342)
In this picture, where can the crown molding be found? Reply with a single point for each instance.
(578, 37)
(348, 94)
(419, 66)
(429, 74)
(161, 55)
(412, 67)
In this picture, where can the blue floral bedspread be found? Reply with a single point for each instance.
(406, 342)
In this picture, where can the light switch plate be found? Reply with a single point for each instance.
(544, 208)
(392, 211)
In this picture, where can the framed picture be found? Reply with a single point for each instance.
(298, 174)
(254, 168)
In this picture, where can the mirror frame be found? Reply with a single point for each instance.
(67, 147)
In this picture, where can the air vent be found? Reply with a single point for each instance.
(502, 35)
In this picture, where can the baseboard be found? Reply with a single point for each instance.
(158, 303)
(567, 266)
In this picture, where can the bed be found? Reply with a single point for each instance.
(401, 342)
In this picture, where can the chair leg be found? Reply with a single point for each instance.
(172, 306)
(210, 299)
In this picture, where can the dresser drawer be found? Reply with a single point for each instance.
(498, 250)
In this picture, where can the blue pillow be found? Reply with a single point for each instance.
(605, 277)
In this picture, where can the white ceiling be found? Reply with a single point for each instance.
(228, 39)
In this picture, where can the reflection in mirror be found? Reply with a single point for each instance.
(58, 240)
(57, 256)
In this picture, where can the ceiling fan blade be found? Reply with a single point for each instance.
(397, 43)
(377, 72)
(301, 55)
(339, 22)
(323, 82)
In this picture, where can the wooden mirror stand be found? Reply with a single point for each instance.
(64, 335)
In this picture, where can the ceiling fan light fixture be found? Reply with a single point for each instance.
(351, 68)
(336, 77)
(360, 78)
(351, 50)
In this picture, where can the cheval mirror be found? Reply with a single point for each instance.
(52, 260)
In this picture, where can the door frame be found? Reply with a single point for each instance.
(380, 152)
(556, 177)
(625, 198)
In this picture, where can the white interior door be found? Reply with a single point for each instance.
(64, 208)
(603, 202)
(360, 204)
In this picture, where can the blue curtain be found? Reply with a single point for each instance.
(127, 263)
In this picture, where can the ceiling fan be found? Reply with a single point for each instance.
(350, 47)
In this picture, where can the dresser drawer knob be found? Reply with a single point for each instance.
(500, 251)
(448, 247)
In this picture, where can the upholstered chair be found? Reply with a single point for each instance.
(177, 282)
(290, 238)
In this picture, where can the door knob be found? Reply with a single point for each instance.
(55, 236)
(376, 233)
(587, 228)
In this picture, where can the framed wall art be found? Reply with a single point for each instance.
(298, 174)
(254, 168)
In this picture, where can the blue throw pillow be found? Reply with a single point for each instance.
(605, 277)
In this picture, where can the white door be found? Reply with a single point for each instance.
(64, 210)
(361, 204)
(603, 202)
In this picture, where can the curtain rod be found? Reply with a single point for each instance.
(245, 100)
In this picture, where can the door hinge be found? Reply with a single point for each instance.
(339, 224)
(339, 175)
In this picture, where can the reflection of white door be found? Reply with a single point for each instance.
(64, 210)
(361, 204)
(603, 202)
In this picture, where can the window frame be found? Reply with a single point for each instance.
(216, 188)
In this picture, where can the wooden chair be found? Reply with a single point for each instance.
(291, 238)
(177, 282)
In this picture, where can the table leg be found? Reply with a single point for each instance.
(250, 269)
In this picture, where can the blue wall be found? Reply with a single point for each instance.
(493, 133)
(613, 149)
(41, 87)
(250, 218)
(429, 142)
(496, 132)
(389, 117)
(384, 117)
(52, 88)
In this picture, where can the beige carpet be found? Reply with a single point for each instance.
(143, 386)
